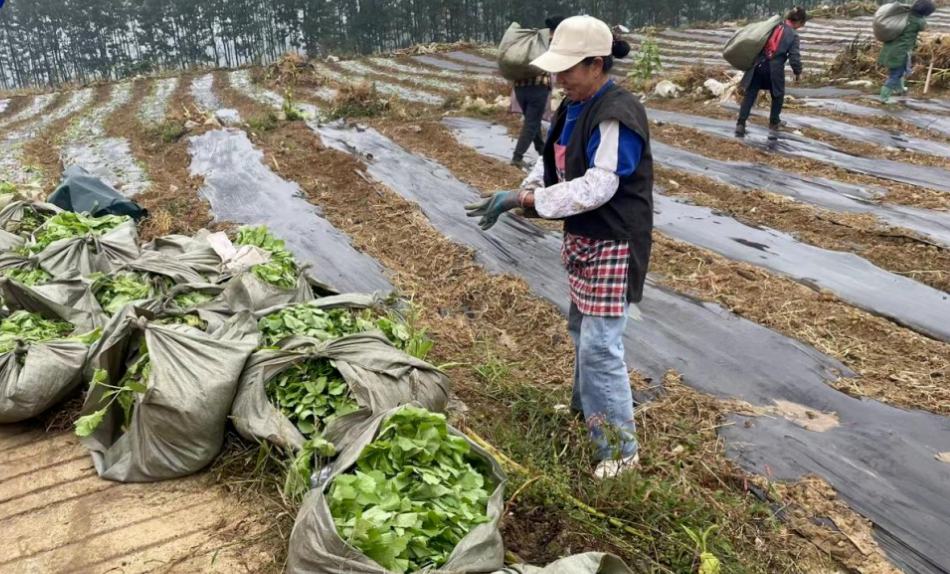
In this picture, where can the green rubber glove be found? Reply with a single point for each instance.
(491, 208)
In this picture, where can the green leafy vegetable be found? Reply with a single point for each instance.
(281, 270)
(69, 225)
(134, 382)
(28, 276)
(115, 291)
(189, 319)
(309, 320)
(413, 494)
(311, 394)
(297, 482)
(30, 328)
(191, 299)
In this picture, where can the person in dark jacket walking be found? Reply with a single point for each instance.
(532, 96)
(768, 73)
(596, 174)
(896, 55)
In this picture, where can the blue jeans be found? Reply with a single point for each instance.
(896, 75)
(602, 383)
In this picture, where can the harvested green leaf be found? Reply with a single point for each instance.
(311, 394)
(191, 299)
(281, 270)
(28, 276)
(115, 291)
(413, 494)
(297, 482)
(134, 382)
(29, 328)
(69, 225)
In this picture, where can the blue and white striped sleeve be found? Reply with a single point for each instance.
(613, 151)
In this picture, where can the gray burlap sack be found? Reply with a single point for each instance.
(588, 563)
(380, 377)
(178, 423)
(10, 241)
(91, 254)
(747, 43)
(245, 291)
(162, 272)
(890, 20)
(192, 251)
(518, 48)
(17, 213)
(67, 298)
(316, 547)
(214, 312)
(36, 376)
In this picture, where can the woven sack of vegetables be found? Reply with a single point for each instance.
(142, 282)
(24, 217)
(195, 252)
(327, 366)
(410, 494)
(160, 395)
(203, 300)
(71, 243)
(42, 354)
(64, 297)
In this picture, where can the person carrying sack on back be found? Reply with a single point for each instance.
(596, 175)
(897, 55)
(533, 95)
(768, 73)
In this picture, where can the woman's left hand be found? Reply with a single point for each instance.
(491, 208)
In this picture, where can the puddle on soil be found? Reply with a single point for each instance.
(109, 159)
(798, 146)
(883, 138)
(243, 190)
(155, 104)
(880, 459)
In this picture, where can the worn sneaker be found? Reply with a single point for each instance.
(615, 467)
(773, 131)
(740, 130)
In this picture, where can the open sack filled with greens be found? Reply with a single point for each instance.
(410, 494)
(325, 369)
(24, 217)
(72, 243)
(261, 272)
(160, 395)
(142, 282)
(201, 305)
(65, 297)
(42, 355)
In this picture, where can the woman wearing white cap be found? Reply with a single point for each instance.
(597, 176)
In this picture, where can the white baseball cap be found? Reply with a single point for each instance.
(575, 38)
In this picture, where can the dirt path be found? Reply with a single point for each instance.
(56, 515)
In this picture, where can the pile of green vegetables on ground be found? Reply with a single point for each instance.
(281, 271)
(69, 225)
(413, 494)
